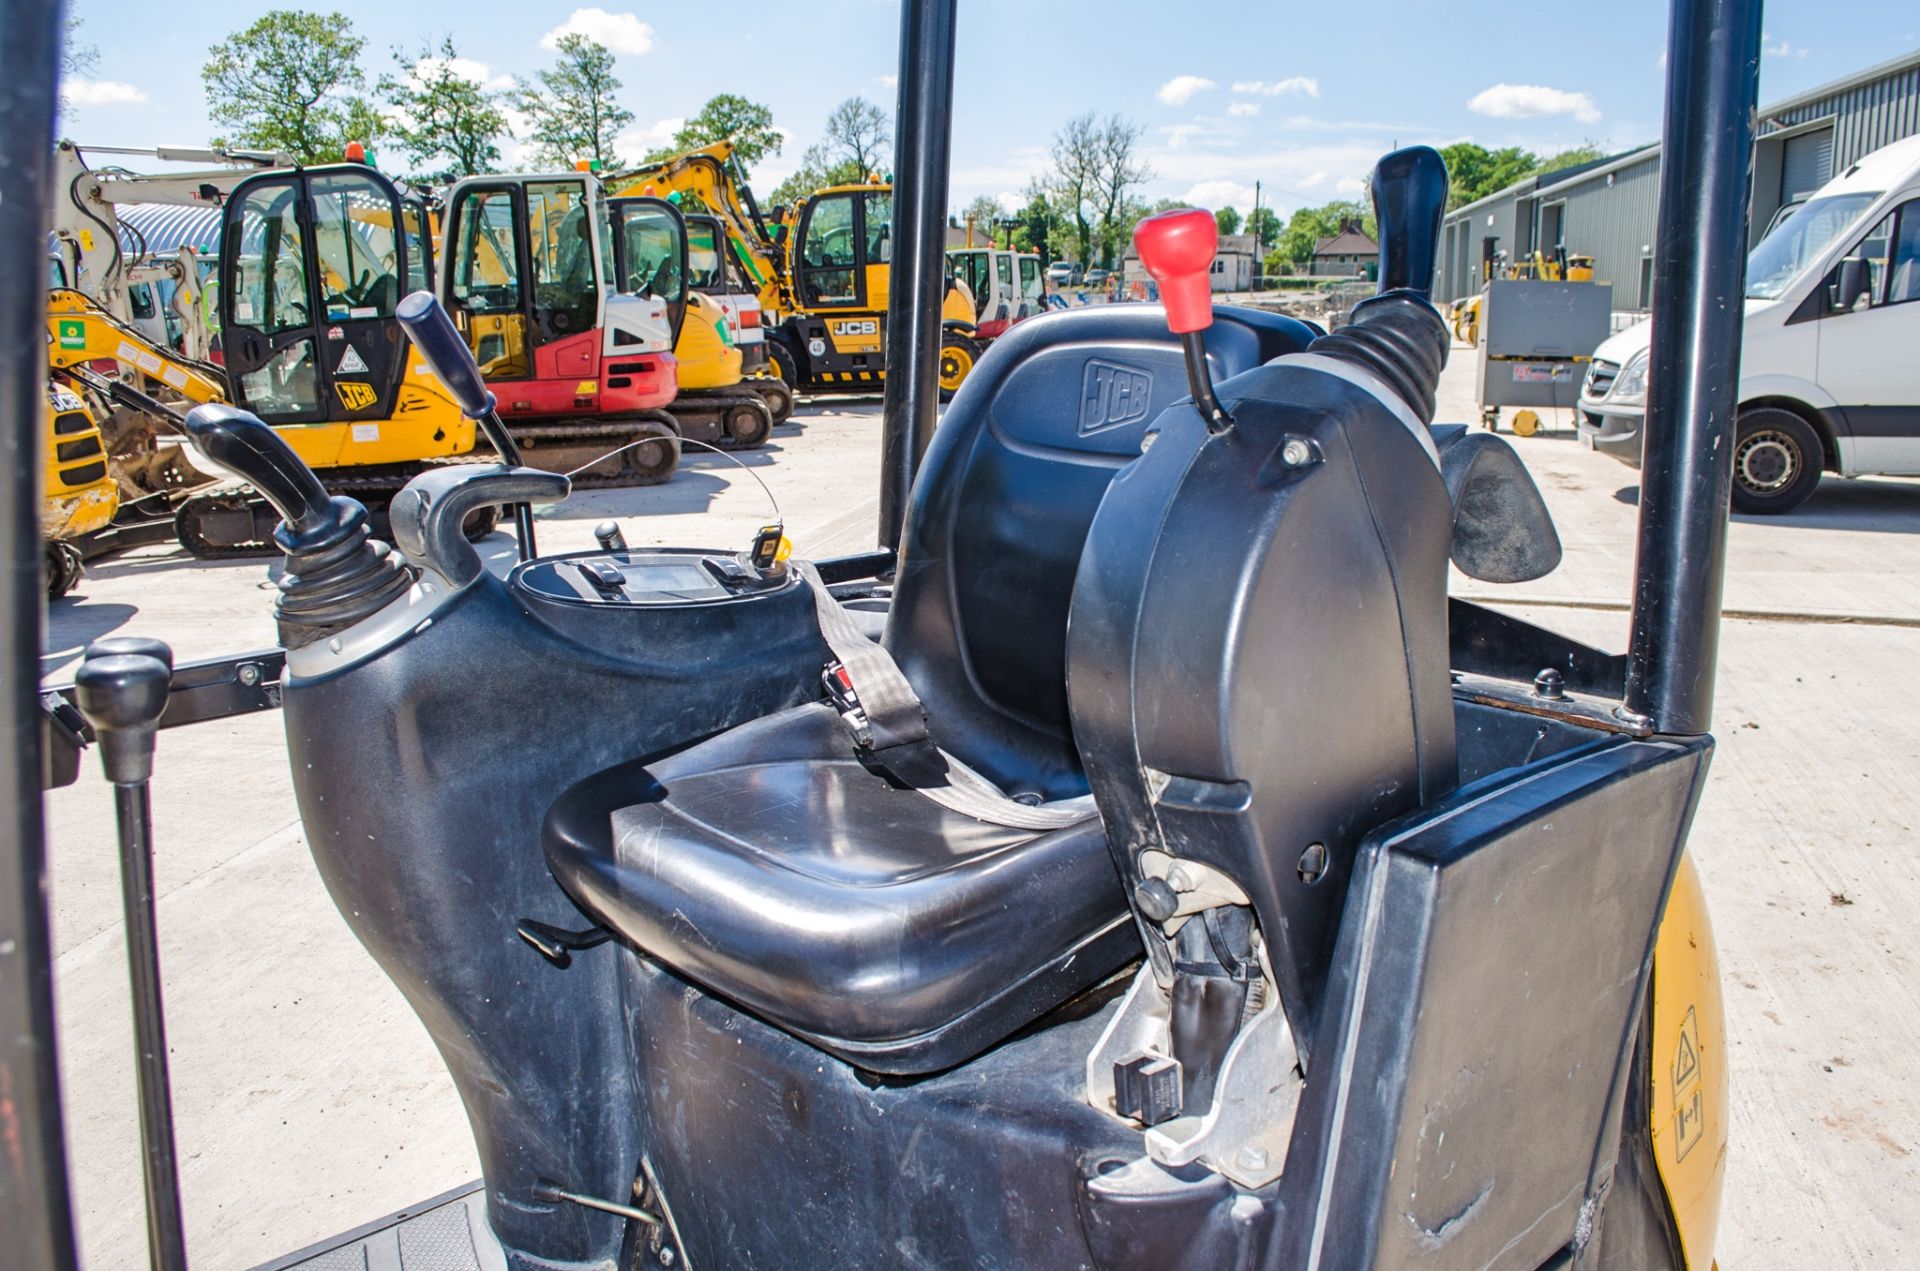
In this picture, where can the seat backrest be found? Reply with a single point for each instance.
(1000, 510)
(1258, 649)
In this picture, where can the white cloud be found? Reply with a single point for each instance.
(1782, 49)
(1215, 195)
(620, 32)
(636, 141)
(891, 81)
(100, 92)
(1179, 90)
(465, 67)
(1273, 88)
(1244, 110)
(1530, 101)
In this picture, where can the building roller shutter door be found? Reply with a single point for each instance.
(1807, 164)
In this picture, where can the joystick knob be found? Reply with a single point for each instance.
(1177, 248)
(122, 695)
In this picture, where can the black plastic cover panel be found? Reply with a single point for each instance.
(1466, 1088)
(1000, 511)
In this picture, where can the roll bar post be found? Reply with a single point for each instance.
(1699, 271)
(922, 144)
(36, 1207)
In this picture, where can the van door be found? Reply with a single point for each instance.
(1866, 357)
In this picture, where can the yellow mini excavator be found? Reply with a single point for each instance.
(312, 263)
(80, 497)
(824, 271)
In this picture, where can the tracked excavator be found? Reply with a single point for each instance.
(1138, 862)
(824, 270)
(573, 310)
(313, 262)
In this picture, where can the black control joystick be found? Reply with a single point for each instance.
(122, 695)
(1396, 334)
(337, 573)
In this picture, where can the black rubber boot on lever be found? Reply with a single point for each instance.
(123, 694)
(337, 573)
(1397, 334)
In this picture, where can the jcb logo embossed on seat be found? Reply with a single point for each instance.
(1112, 395)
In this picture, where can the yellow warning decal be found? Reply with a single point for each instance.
(585, 388)
(354, 395)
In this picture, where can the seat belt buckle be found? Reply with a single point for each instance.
(841, 693)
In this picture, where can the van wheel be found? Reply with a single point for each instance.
(957, 356)
(1776, 462)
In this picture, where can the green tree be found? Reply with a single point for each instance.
(858, 134)
(1474, 171)
(1096, 168)
(571, 110)
(1264, 224)
(1585, 152)
(289, 82)
(1040, 224)
(817, 169)
(1228, 220)
(986, 213)
(748, 125)
(447, 126)
(76, 56)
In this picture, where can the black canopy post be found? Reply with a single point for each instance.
(922, 142)
(1700, 271)
(36, 1211)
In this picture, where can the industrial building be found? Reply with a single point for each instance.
(1605, 209)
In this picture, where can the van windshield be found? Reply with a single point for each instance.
(1793, 244)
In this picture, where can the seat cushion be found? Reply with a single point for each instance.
(772, 867)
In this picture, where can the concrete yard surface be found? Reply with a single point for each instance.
(310, 1100)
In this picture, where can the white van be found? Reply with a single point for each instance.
(1830, 372)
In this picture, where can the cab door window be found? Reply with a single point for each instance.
(829, 251)
(485, 287)
(561, 249)
(268, 304)
(1903, 257)
(419, 247)
(358, 246)
(1031, 285)
(705, 262)
(1003, 270)
(879, 227)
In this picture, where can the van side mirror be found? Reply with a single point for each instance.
(1852, 281)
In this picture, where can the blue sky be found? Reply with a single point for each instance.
(1302, 97)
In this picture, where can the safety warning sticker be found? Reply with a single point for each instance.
(351, 363)
(1689, 1101)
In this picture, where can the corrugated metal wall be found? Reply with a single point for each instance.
(1867, 116)
(1612, 224)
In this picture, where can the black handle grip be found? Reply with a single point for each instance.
(237, 440)
(426, 323)
(143, 646)
(427, 516)
(1409, 200)
(122, 696)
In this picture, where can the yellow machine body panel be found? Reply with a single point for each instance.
(80, 494)
(426, 424)
(707, 355)
(1688, 1101)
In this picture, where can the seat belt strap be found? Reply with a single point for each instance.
(883, 712)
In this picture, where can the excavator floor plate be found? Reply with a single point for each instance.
(446, 1233)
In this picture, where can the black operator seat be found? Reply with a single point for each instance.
(776, 865)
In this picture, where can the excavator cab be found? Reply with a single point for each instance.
(313, 263)
(529, 278)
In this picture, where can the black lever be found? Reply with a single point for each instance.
(236, 439)
(335, 574)
(608, 535)
(122, 695)
(1409, 200)
(425, 320)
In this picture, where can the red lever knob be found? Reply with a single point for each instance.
(1177, 248)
